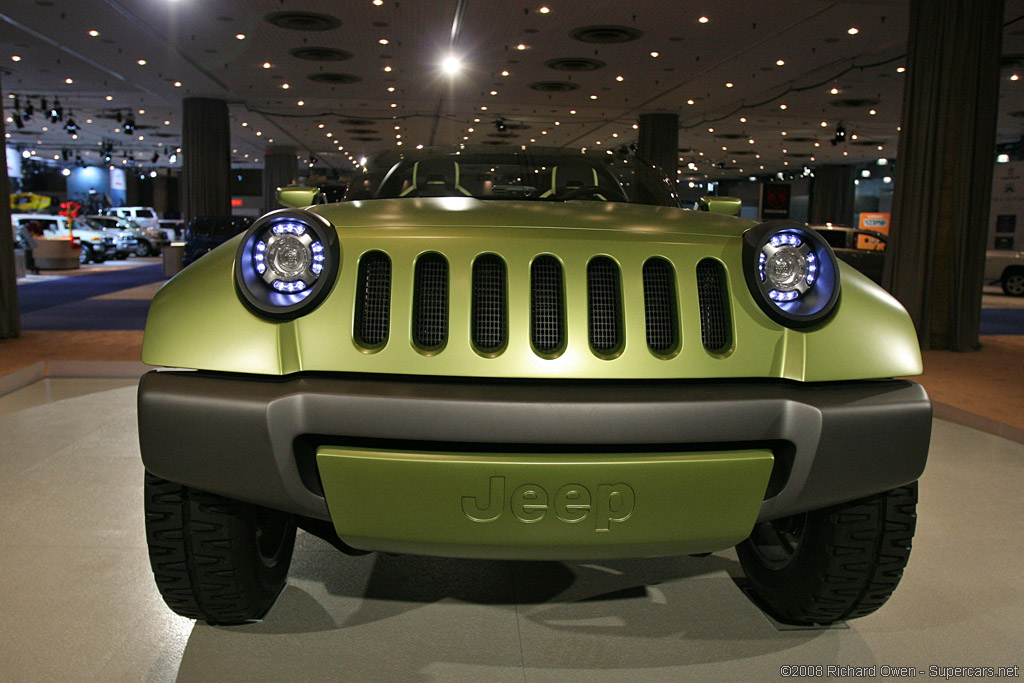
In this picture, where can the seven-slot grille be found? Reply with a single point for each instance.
(489, 326)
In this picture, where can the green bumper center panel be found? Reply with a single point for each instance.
(543, 506)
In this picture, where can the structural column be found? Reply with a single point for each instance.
(944, 170)
(10, 323)
(280, 168)
(832, 195)
(206, 152)
(658, 141)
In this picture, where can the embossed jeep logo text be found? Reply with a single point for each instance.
(572, 503)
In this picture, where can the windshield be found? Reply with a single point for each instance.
(508, 173)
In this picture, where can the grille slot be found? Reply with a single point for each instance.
(660, 306)
(430, 302)
(374, 308)
(714, 306)
(489, 317)
(547, 307)
(604, 305)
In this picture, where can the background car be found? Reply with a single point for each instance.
(1005, 268)
(209, 232)
(146, 241)
(97, 245)
(144, 216)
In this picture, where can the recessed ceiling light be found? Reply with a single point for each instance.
(593, 97)
(900, 69)
(785, 133)
(394, 104)
(388, 69)
(572, 111)
(690, 102)
(142, 62)
(520, 46)
(619, 78)
(780, 62)
(654, 53)
(319, 125)
(391, 88)
(873, 112)
(300, 103)
(711, 130)
(109, 98)
(15, 58)
(728, 85)
(451, 65)
(68, 81)
(142, 111)
(240, 36)
(743, 119)
(285, 86)
(783, 106)
(1014, 77)
(494, 92)
(504, 73)
(94, 33)
(703, 20)
(267, 65)
(378, 3)
(853, 30)
(167, 123)
(383, 41)
(544, 10)
(177, 84)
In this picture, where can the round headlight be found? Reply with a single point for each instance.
(792, 272)
(286, 263)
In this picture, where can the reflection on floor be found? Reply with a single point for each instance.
(79, 602)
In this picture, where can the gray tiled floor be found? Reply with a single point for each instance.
(79, 603)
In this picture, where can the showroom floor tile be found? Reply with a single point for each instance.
(79, 601)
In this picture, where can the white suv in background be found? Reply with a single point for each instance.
(143, 216)
(97, 245)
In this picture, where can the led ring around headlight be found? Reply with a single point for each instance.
(792, 272)
(286, 263)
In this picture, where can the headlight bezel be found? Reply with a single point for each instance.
(815, 300)
(257, 295)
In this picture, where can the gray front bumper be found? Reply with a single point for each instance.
(253, 438)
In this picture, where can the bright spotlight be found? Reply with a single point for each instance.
(451, 65)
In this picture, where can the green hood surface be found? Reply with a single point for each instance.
(197, 320)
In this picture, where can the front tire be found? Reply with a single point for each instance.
(840, 562)
(213, 558)
(143, 249)
(1013, 282)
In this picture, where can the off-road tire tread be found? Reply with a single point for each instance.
(851, 568)
(202, 552)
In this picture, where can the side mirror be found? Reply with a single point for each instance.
(730, 206)
(298, 197)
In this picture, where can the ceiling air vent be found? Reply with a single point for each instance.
(574, 64)
(554, 86)
(605, 34)
(320, 54)
(303, 21)
(731, 136)
(854, 102)
(357, 122)
(366, 138)
(361, 131)
(868, 143)
(800, 138)
(334, 78)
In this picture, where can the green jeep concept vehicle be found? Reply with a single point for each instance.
(514, 354)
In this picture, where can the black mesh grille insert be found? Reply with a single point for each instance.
(489, 316)
(660, 305)
(430, 302)
(546, 304)
(604, 308)
(714, 306)
(374, 299)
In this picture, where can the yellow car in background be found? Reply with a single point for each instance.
(29, 201)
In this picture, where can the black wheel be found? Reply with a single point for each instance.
(1013, 282)
(214, 558)
(143, 249)
(86, 255)
(835, 563)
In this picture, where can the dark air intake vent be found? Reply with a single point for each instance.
(714, 306)
(374, 307)
(430, 302)
(547, 318)
(604, 305)
(660, 305)
(490, 305)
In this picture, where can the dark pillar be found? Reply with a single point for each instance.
(944, 170)
(206, 152)
(658, 141)
(280, 168)
(832, 194)
(10, 323)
